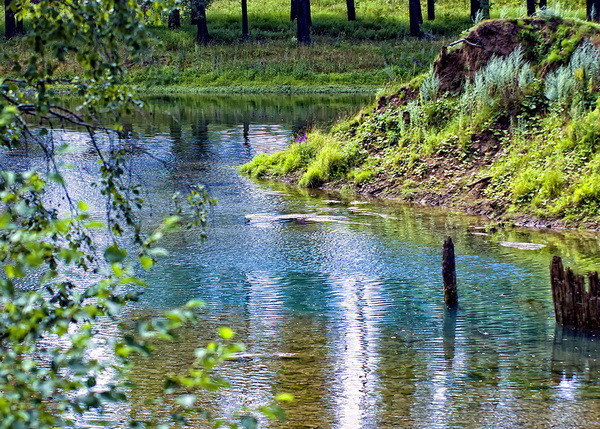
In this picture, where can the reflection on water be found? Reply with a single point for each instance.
(348, 315)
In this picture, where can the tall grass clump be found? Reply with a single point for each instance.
(430, 87)
(314, 158)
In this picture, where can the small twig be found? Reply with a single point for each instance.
(56, 115)
(467, 42)
(26, 108)
(69, 112)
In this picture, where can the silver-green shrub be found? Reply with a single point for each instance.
(581, 74)
(430, 87)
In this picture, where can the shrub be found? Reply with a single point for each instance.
(574, 84)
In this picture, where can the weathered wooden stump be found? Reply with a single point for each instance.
(574, 306)
(449, 274)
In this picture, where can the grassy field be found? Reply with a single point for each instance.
(372, 52)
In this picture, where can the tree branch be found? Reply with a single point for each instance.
(468, 42)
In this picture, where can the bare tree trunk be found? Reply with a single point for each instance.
(475, 8)
(543, 4)
(10, 23)
(414, 12)
(199, 13)
(530, 7)
(245, 31)
(175, 19)
(351, 10)
(304, 21)
(430, 10)
(293, 9)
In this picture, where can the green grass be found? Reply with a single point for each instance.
(374, 51)
(370, 53)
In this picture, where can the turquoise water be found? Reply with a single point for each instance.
(339, 300)
(346, 312)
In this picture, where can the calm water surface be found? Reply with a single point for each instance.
(347, 312)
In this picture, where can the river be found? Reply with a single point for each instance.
(339, 299)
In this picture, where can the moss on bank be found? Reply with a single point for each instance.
(506, 125)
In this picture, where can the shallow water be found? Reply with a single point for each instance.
(341, 304)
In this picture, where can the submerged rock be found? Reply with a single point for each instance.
(522, 246)
(297, 217)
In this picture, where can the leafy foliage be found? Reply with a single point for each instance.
(58, 283)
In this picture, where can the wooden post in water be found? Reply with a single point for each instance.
(574, 306)
(449, 274)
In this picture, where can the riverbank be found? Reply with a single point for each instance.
(506, 125)
(255, 90)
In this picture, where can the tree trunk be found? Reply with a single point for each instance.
(475, 8)
(10, 23)
(414, 12)
(351, 10)
(430, 10)
(199, 11)
(175, 19)
(304, 21)
(543, 4)
(449, 274)
(245, 31)
(293, 9)
(530, 7)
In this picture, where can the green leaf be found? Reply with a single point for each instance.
(195, 303)
(95, 224)
(134, 281)
(248, 422)
(55, 176)
(285, 397)
(13, 271)
(117, 269)
(273, 412)
(114, 253)
(5, 219)
(146, 261)
(65, 148)
(226, 333)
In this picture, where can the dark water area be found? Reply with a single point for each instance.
(339, 300)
